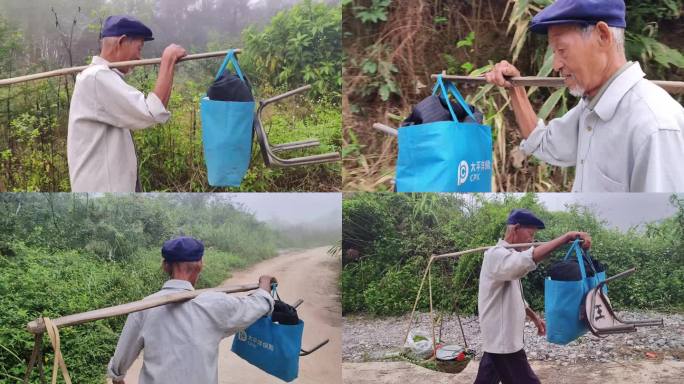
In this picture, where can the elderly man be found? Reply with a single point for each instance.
(626, 134)
(181, 341)
(501, 305)
(104, 110)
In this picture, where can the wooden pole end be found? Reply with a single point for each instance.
(36, 326)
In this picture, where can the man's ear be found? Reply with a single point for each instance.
(120, 41)
(605, 37)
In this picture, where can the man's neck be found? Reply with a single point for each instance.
(613, 66)
(108, 56)
(184, 278)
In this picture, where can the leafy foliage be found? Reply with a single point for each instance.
(647, 49)
(374, 12)
(395, 235)
(380, 71)
(36, 282)
(300, 46)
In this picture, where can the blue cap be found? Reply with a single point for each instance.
(183, 249)
(583, 12)
(525, 218)
(125, 25)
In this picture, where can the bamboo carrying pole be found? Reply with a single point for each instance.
(37, 326)
(427, 273)
(674, 87)
(132, 63)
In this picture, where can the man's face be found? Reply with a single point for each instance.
(576, 57)
(525, 234)
(130, 49)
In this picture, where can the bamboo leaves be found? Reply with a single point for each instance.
(648, 48)
(520, 18)
(550, 103)
(545, 70)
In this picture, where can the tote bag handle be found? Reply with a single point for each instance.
(230, 57)
(580, 258)
(447, 88)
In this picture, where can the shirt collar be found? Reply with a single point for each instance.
(593, 101)
(97, 60)
(178, 284)
(504, 243)
(606, 102)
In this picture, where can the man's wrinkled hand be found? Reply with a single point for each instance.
(541, 326)
(585, 237)
(498, 74)
(265, 282)
(174, 52)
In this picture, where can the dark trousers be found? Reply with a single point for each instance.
(507, 368)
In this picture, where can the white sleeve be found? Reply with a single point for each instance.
(127, 349)
(659, 163)
(125, 107)
(240, 312)
(555, 143)
(503, 264)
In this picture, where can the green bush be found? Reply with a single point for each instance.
(302, 45)
(37, 283)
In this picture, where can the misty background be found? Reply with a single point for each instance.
(301, 217)
(63, 33)
(286, 209)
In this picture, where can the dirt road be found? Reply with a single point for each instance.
(311, 275)
(663, 372)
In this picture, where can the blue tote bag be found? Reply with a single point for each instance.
(563, 300)
(272, 347)
(445, 156)
(227, 134)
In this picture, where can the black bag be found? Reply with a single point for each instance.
(284, 313)
(433, 108)
(230, 87)
(568, 270)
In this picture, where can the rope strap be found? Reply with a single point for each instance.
(53, 333)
